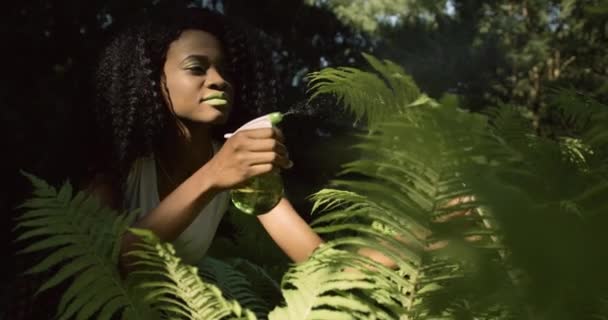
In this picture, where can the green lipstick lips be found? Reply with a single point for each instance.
(216, 102)
(216, 99)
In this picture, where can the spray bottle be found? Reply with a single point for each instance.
(261, 193)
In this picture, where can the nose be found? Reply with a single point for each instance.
(215, 80)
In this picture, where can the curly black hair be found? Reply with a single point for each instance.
(130, 112)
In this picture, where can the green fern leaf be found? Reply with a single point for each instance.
(43, 231)
(359, 262)
(413, 167)
(78, 285)
(41, 188)
(111, 307)
(265, 286)
(80, 235)
(312, 286)
(357, 89)
(403, 87)
(50, 218)
(94, 296)
(177, 288)
(233, 284)
(65, 193)
(74, 266)
(57, 257)
(48, 207)
(55, 241)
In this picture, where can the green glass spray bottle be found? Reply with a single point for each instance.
(261, 193)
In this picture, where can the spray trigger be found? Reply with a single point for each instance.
(265, 121)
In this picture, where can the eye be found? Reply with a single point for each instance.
(197, 70)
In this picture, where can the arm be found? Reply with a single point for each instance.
(246, 154)
(168, 220)
(178, 209)
(291, 233)
(295, 237)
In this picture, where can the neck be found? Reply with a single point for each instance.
(182, 156)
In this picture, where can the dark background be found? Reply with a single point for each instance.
(487, 53)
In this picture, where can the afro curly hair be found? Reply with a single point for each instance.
(129, 111)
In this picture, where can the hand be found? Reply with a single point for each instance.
(454, 215)
(246, 154)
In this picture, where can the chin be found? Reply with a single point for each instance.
(222, 116)
(219, 121)
(212, 116)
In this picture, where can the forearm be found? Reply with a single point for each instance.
(175, 212)
(295, 237)
(377, 257)
(291, 233)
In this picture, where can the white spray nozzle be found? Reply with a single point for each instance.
(265, 121)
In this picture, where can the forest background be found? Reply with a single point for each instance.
(484, 53)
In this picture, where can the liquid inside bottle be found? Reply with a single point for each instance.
(259, 194)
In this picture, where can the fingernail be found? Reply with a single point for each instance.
(289, 165)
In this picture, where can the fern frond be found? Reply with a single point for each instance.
(234, 285)
(355, 88)
(543, 194)
(264, 284)
(587, 120)
(316, 290)
(177, 288)
(413, 165)
(403, 87)
(370, 96)
(81, 238)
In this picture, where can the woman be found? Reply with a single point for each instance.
(167, 87)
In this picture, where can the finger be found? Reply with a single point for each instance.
(265, 133)
(458, 201)
(279, 134)
(473, 238)
(260, 169)
(456, 207)
(270, 157)
(258, 145)
(454, 214)
(436, 245)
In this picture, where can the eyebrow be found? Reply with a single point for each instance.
(203, 58)
(195, 57)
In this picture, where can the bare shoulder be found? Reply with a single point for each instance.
(106, 188)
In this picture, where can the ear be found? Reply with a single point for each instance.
(165, 90)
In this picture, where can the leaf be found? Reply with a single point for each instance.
(58, 256)
(44, 231)
(105, 294)
(79, 284)
(55, 241)
(110, 308)
(41, 188)
(197, 299)
(65, 193)
(67, 271)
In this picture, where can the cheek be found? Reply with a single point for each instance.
(183, 89)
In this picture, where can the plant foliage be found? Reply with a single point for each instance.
(482, 218)
(484, 213)
(235, 284)
(82, 237)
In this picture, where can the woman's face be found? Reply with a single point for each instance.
(194, 77)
